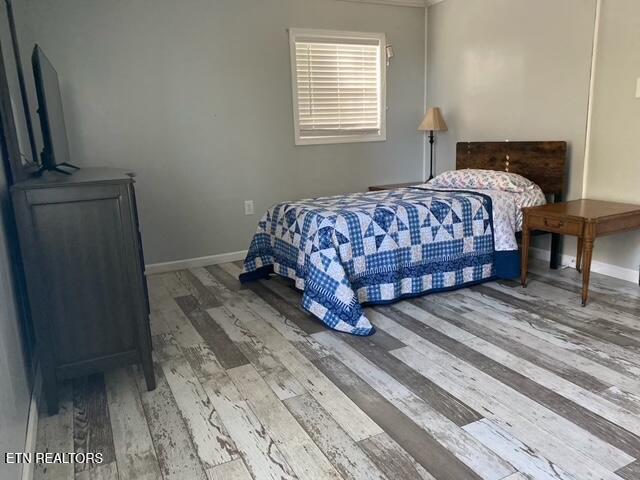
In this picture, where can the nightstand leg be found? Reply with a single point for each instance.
(579, 254)
(524, 265)
(586, 267)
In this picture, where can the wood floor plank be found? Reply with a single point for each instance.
(601, 364)
(587, 344)
(226, 351)
(173, 286)
(233, 470)
(158, 293)
(523, 350)
(425, 316)
(104, 471)
(609, 432)
(630, 472)
(55, 434)
(205, 278)
(476, 456)
(605, 284)
(519, 476)
(341, 450)
(614, 307)
(203, 294)
(207, 433)
(165, 347)
(206, 365)
(392, 459)
(355, 422)
(229, 281)
(301, 453)
(554, 345)
(233, 270)
(558, 315)
(511, 418)
(303, 320)
(586, 399)
(383, 341)
(281, 381)
(606, 319)
(558, 439)
(430, 454)
(521, 456)
(607, 291)
(134, 450)
(222, 293)
(176, 454)
(626, 400)
(179, 326)
(286, 289)
(288, 329)
(437, 398)
(91, 422)
(262, 456)
(157, 325)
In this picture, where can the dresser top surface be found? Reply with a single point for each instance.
(89, 175)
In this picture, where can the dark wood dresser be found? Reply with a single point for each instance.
(84, 268)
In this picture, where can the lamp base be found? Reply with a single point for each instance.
(431, 157)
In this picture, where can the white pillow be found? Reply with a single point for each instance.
(483, 180)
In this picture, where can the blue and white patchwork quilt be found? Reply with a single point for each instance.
(348, 251)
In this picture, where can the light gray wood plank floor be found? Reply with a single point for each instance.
(492, 382)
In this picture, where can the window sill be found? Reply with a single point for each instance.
(340, 139)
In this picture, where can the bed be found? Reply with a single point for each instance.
(349, 251)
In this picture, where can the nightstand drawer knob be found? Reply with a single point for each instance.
(553, 223)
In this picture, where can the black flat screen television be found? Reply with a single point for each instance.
(54, 133)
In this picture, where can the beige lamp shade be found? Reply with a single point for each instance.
(433, 120)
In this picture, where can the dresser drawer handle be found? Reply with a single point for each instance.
(553, 223)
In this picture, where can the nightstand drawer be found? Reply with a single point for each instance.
(555, 225)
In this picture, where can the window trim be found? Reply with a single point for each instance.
(337, 35)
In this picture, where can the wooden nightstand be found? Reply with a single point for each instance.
(392, 186)
(585, 219)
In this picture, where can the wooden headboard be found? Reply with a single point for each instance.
(540, 162)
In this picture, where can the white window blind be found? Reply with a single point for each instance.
(338, 86)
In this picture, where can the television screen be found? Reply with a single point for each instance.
(54, 133)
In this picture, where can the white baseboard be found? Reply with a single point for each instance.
(195, 262)
(615, 271)
(30, 443)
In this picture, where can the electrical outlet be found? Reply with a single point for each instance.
(248, 207)
(638, 88)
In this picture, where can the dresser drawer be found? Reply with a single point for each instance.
(555, 225)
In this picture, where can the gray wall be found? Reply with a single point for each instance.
(14, 383)
(520, 70)
(511, 69)
(15, 368)
(614, 160)
(195, 96)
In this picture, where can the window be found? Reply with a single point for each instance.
(338, 81)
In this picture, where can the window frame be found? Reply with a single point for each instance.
(381, 136)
